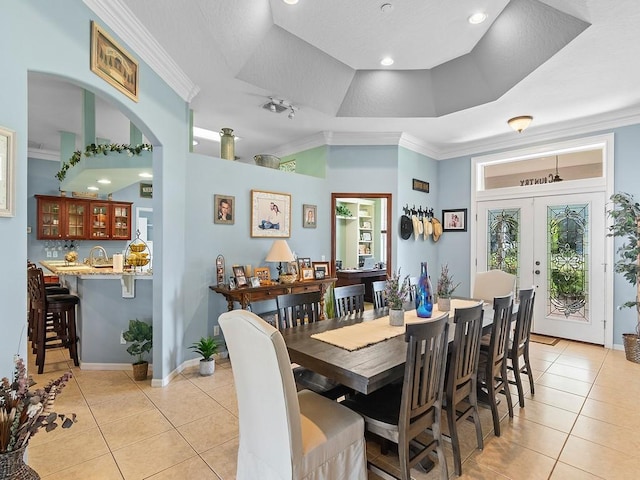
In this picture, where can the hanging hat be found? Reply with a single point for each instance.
(437, 229)
(414, 219)
(428, 228)
(406, 227)
(420, 227)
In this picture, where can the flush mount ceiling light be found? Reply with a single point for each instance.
(91, 187)
(290, 2)
(104, 181)
(386, 61)
(520, 123)
(145, 175)
(477, 18)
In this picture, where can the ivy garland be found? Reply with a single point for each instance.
(103, 148)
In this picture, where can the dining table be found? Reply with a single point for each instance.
(367, 368)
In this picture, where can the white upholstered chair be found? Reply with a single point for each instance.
(285, 434)
(494, 283)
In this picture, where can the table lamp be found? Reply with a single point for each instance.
(280, 252)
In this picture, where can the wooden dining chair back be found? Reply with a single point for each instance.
(349, 299)
(284, 433)
(379, 298)
(401, 413)
(520, 343)
(491, 284)
(462, 375)
(413, 288)
(492, 369)
(298, 308)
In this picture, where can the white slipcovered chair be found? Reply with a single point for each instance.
(494, 283)
(285, 434)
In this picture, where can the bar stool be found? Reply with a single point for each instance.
(51, 289)
(53, 317)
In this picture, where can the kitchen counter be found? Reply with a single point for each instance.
(80, 269)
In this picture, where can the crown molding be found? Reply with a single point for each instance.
(124, 23)
(43, 154)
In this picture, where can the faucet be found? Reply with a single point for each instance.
(92, 260)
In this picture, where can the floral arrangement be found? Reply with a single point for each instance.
(396, 290)
(24, 412)
(103, 148)
(445, 283)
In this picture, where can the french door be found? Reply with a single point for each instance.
(557, 244)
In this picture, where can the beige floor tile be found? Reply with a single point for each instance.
(623, 439)
(575, 373)
(152, 455)
(534, 436)
(547, 415)
(612, 396)
(184, 409)
(205, 433)
(84, 422)
(474, 471)
(226, 396)
(580, 362)
(562, 471)
(135, 428)
(220, 378)
(51, 457)
(129, 403)
(599, 460)
(565, 384)
(193, 468)
(557, 398)
(101, 468)
(609, 413)
(223, 459)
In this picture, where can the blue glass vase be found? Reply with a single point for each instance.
(424, 293)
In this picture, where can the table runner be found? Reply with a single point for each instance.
(360, 335)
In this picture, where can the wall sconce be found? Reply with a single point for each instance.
(520, 123)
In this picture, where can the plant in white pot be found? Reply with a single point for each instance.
(626, 223)
(396, 292)
(140, 334)
(207, 347)
(445, 288)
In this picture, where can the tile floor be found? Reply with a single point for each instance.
(581, 424)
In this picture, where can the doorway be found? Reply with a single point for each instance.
(554, 243)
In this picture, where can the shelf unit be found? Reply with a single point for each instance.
(356, 234)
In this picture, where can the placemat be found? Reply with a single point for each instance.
(360, 335)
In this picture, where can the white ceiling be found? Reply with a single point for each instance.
(450, 91)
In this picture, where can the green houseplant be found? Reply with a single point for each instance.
(207, 347)
(140, 334)
(445, 288)
(626, 224)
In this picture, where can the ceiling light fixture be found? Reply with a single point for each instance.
(276, 105)
(145, 175)
(292, 113)
(290, 2)
(477, 18)
(104, 181)
(386, 61)
(92, 188)
(519, 124)
(556, 178)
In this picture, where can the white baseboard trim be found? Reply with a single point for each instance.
(106, 366)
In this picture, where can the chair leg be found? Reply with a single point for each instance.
(515, 364)
(494, 406)
(505, 388)
(437, 435)
(528, 367)
(455, 442)
(473, 399)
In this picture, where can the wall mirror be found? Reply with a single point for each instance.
(361, 230)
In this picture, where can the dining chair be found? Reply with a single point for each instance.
(462, 375)
(413, 288)
(402, 412)
(296, 309)
(284, 433)
(349, 299)
(520, 343)
(379, 298)
(491, 284)
(492, 367)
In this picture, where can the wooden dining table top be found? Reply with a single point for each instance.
(364, 370)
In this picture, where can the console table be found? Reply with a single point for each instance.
(247, 295)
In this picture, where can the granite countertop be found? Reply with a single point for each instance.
(60, 267)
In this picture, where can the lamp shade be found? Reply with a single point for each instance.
(280, 252)
(520, 123)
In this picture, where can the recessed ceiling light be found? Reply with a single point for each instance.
(145, 175)
(92, 188)
(105, 181)
(477, 18)
(290, 2)
(386, 61)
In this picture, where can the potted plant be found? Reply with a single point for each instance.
(445, 289)
(626, 223)
(207, 347)
(396, 291)
(140, 334)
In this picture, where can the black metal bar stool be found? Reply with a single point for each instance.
(54, 319)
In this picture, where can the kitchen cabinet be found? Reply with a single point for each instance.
(82, 219)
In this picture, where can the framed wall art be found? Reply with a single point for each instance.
(7, 172)
(270, 214)
(454, 220)
(309, 216)
(113, 63)
(224, 208)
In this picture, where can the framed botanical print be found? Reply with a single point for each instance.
(270, 214)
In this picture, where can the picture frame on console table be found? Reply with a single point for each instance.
(307, 274)
(270, 214)
(322, 266)
(263, 274)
